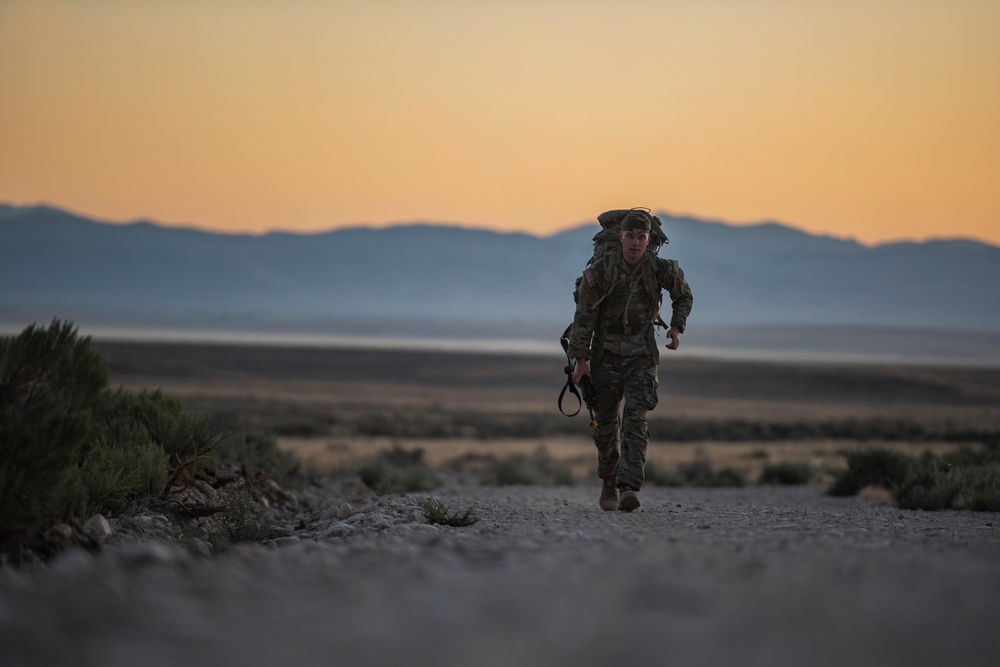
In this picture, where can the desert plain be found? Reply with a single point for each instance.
(309, 397)
(754, 575)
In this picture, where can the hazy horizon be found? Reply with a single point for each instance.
(789, 344)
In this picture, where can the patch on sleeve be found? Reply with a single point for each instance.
(588, 276)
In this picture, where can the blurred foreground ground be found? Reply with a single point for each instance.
(769, 576)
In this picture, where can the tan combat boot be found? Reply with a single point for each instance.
(609, 496)
(630, 501)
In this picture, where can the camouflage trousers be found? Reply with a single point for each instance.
(626, 391)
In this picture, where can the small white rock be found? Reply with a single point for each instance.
(338, 530)
(330, 513)
(97, 527)
(199, 547)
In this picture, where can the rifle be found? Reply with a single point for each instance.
(589, 397)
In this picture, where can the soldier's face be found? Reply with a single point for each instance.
(633, 245)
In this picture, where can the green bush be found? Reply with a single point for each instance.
(182, 435)
(51, 384)
(513, 470)
(69, 445)
(140, 437)
(724, 477)
(659, 476)
(927, 485)
(246, 520)
(257, 451)
(436, 512)
(786, 473)
(871, 467)
(982, 490)
(969, 457)
(121, 464)
(700, 473)
(442, 423)
(398, 471)
(968, 478)
(538, 469)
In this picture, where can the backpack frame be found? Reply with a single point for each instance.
(608, 247)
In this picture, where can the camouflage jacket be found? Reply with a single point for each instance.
(618, 304)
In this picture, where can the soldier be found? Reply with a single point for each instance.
(613, 327)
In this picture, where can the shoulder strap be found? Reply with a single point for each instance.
(609, 276)
(653, 287)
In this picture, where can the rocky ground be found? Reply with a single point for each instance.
(752, 576)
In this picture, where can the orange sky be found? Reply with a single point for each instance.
(867, 119)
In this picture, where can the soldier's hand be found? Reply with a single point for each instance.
(674, 334)
(580, 371)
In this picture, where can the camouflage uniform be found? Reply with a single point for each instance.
(613, 328)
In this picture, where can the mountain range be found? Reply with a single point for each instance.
(439, 279)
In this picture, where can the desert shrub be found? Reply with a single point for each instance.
(437, 512)
(182, 435)
(968, 478)
(512, 470)
(398, 471)
(51, 383)
(786, 473)
(68, 444)
(561, 475)
(139, 436)
(423, 425)
(441, 423)
(967, 457)
(693, 471)
(965, 478)
(871, 467)
(982, 490)
(538, 469)
(724, 477)
(659, 476)
(700, 473)
(246, 520)
(122, 463)
(928, 484)
(843, 484)
(257, 451)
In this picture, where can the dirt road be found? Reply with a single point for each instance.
(754, 576)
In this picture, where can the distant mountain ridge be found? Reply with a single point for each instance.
(449, 279)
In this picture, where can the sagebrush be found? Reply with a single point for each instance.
(71, 445)
(398, 471)
(437, 512)
(968, 478)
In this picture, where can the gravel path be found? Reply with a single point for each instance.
(755, 576)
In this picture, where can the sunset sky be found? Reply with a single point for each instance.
(876, 120)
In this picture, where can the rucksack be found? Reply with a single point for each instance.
(608, 248)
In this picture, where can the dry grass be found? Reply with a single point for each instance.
(252, 381)
(324, 454)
